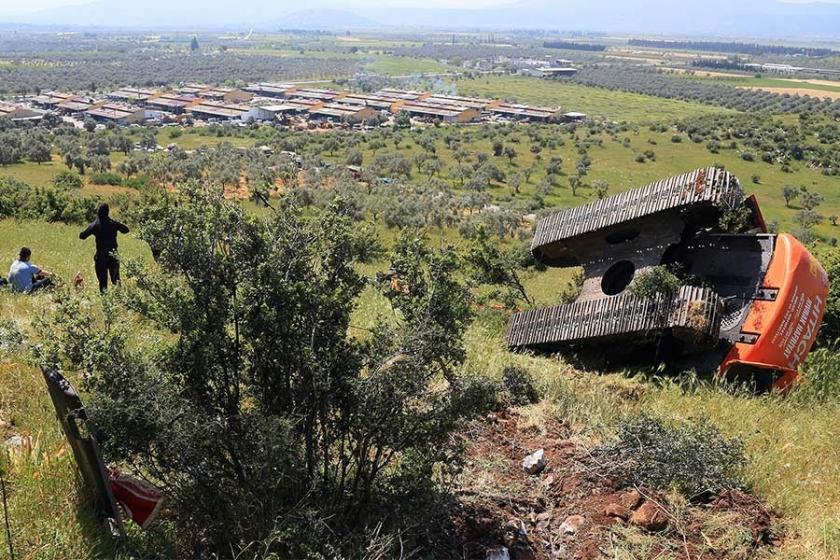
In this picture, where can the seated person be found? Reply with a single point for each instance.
(25, 277)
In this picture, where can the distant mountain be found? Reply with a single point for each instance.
(742, 18)
(326, 18)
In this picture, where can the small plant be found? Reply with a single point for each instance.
(692, 458)
(519, 386)
(658, 281)
(67, 180)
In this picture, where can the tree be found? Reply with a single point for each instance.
(498, 148)
(515, 182)
(249, 404)
(194, 44)
(601, 188)
(790, 193)
(575, 182)
(810, 200)
(38, 151)
(90, 124)
(488, 265)
(354, 157)
(510, 153)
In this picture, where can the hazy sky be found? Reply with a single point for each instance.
(20, 6)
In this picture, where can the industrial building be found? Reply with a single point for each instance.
(271, 89)
(557, 72)
(225, 94)
(171, 102)
(379, 102)
(342, 112)
(458, 101)
(50, 99)
(301, 105)
(526, 112)
(18, 113)
(212, 110)
(450, 114)
(119, 113)
(325, 95)
(402, 94)
(136, 96)
(77, 104)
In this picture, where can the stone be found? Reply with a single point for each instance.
(631, 499)
(14, 441)
(617, 510)
(572, 524)
(548, 481)
(534, 463)
(650, 517)
(500, 553)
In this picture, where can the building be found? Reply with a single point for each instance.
(379, 102)
(458, 101)
(325, 95)
(18, 113)
(133, 95)
(301, 105)
(225, 94)
(171, 102)
(271, 89)
(78, 104)
(342, 112)
(574, 117)
(119, 113)
(212, 110)
(50, 99)
(402, 94)
(557, 72)
(527, 112)
(450, 114)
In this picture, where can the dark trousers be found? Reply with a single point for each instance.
(40, 285)
(106, 265)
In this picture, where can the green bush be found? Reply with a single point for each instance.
(659, 280)
(67, 180)
(105, 178)
(247, 401)
(19, 200)
(693, 458)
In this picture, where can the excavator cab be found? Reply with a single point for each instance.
(750, 303)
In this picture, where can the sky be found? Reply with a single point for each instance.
(26, 6)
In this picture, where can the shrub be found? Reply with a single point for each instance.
(693, 458)
(659, 280)
(676, 138)
(67, 180)
(519, 386)
(105, 178)
(248, 403)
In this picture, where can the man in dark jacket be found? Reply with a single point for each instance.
(105, 261)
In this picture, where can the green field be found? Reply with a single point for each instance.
(596, 102)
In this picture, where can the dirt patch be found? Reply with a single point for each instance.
(819, 93)
(571, 511)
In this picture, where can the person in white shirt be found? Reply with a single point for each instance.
(25, 277)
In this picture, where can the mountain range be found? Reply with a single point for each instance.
(721, 18)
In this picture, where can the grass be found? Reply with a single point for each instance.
(792, 447)
(613, 105)
(404, 65)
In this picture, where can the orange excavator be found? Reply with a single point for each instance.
(749, 305)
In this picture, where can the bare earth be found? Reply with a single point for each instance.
(819, 93)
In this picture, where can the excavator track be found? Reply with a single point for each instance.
(694, 314)
(556, 234)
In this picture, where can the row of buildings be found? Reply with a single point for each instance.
(269, 101)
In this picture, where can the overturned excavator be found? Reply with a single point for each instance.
(750, 305)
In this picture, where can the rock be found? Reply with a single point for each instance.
(650, 517)
(14, 441)
(617, 510)
(548, 481)
(631, 499)
(535, 462)
(500, 553)
(572, 524)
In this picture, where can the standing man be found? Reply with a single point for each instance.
(105, 261)
(25, 277)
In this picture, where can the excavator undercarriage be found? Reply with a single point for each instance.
(749, 305)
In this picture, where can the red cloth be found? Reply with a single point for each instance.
(141, 501)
